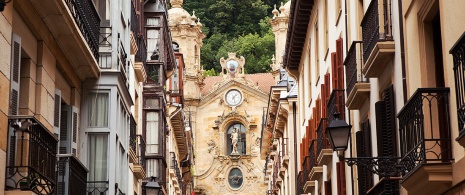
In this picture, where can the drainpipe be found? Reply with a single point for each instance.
(294, 115)
(350, 137)
(402, 50)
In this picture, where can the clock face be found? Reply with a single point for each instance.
(233, 97)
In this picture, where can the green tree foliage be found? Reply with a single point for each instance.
(240, 26)
(210, 72)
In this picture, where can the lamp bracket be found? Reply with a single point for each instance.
(384, 166)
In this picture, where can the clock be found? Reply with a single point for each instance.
(233, 97)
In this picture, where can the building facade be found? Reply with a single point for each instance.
(393, 71)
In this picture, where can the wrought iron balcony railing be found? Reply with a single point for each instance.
(87, 19)
(105, 37)
(134, 19)
(118, 191)
(386, 185)
(336, 104)
(174, 165)
(322, 141)
(300, 183)
(458, 53)
(132, 134)
(31, 156)
(424, 127)
(72, 175)
(141, 55)
(97, 187)
(140, 151)
(354, 67)
(376, 26)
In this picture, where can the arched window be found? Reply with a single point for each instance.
(241, 138)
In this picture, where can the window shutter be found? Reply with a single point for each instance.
(57, 112)
(385, 124)
(323, 98)
(390, 132)
(341, 178)
(75, 130)
(363, 141)
(334, 70)
(328, 88)
(15, 74)
(328, 187)
(340, 63)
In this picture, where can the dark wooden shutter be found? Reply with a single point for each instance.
(363, 142)
(385, 124)
(328, 187)
(334, 69)
(15, 74)
(340, 64)
(341, 178)
(57, 112)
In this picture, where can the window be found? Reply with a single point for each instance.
(153, 52)
(152, 129)
(317, 54)
(153, 73)
(97, 157)
(241, 139)
(98, 110)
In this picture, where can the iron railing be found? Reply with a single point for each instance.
(134, 19)
(132, 134)
(275, 176)
(372, 33)
(72, 175)
(386, 185)
(424, 127)
(31, 156)
(300, 183)
(308, 164)
(458, 53)
(336, 104)
(97, 187)
(322, 140)
(87, 19)
(141, 54)
(354, 67)
(140, 151)
(105, 36)
(118, 191)
(175, 167)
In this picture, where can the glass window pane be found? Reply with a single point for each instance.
(152, 133)
(153, 21)
(97, 157)
(98, 110)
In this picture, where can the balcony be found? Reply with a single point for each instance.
(386, 185)
(335, 105)
(69, 25)
(31, 157)
(324, 152)
(135, 28)
(175, 173)
(357, 86)
(307, 167)
(315, 171)
(458, 53)
(72, 175)
(425, 137)
(139, 167)
(97, 187)
(132, 141)
(301, 182)
(378, 44)
(285, 153)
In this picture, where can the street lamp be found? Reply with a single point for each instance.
(339, 132)
(152, 187)
(384, 166)
(3, 4)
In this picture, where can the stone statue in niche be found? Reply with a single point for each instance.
(234, 139)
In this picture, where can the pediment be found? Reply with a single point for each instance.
(218, 91)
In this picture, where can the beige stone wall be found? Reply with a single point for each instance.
(212, 164)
